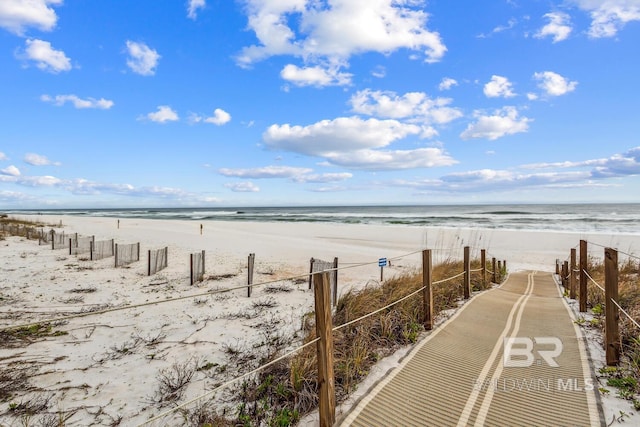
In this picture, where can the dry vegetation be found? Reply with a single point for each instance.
(20, 227)
(626, 376)
(282, 393)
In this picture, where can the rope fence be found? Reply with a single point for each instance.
(125, 253)
(612, 307)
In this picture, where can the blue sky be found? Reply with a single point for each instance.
(296, 102)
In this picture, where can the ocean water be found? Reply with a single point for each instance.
(588, 218)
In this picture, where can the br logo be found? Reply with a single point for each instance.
(519, 351)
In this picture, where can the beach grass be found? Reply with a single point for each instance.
(626, 376)
(287, 390)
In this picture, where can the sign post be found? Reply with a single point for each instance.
(382, 263)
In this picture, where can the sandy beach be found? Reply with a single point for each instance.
(107, 369)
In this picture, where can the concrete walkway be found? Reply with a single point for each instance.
(465, 373)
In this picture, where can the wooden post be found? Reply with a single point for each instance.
(149, 263)
(483, 261)
(500, 267)
(565, 274)
(70, 246)
(203, 265)
(250, 264)
(335, 281)
(583, 276)
(427, 294)
(324, 326)
(53, 234)
(191, 265)
(611, 333)
(504, 265)
(467, 273)
(311, 272)
(115, 254)
(494, 279)
(557, 266)
(572, 275)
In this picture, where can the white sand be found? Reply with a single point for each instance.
(107, 366)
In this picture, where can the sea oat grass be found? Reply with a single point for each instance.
(282, 393)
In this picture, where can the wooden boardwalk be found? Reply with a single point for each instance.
(465, 373)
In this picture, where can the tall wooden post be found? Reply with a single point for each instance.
(335, 281)
(483, 261)
(149, 262)
(467, 273)
(572, 275)
(565, 274)
(311, 272)
(557, 266)
(115, 253)
(583, 276)
(427, 293)
(494, 279)
(611, 333)
(324, 326)
(191, 265)
(250, 263)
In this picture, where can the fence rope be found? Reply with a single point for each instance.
(625, 313)
(208, 293)
(446, 280)
(619, 251)
(594, 282)
(248, 374)
(337, 328)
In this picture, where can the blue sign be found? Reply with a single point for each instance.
(382, 262)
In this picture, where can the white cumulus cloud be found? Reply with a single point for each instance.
(59, 100)
(338, 135)
(142, 59)
(3, 156)
(163, 115)
(219, 118)
(46, 57)
(11, 171)
(38, 160)
(609, 16)
(392, 159)
(505, 121)
(499, 86)
(554, 84)
(17, 15)
(559, 27)
(193, 6)
(413, 106)
(315, 76)
(334, 31)
(447, 83)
